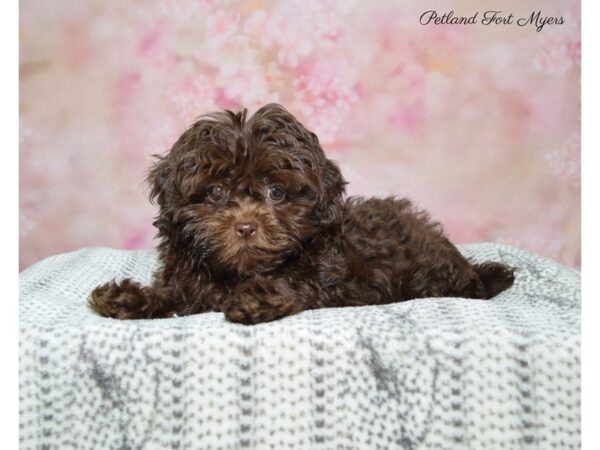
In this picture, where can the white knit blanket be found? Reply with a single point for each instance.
(431, 373)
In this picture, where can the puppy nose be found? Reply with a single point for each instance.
(245, 229)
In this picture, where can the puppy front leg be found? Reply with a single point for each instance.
(262, 300)
(130, 300)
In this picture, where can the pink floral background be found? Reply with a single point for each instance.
(478, 124)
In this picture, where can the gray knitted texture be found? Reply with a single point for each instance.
(445, 373)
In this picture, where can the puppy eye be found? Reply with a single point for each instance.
(215, 193)
(276, 193)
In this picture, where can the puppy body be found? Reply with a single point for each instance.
(252, 222)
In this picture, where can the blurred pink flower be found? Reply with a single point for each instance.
(221, 26)
(407, 117)
(162, 138)
(249, 86)
(324, 100)
(322, 105)
(273, 32)
(185, 9)
(192, 97)
(565, 162)
(560, 50)
(554, 59)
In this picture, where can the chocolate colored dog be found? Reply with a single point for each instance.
(253, 222)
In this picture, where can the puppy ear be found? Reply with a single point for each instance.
(333, 189)
(333, 181)
(160, 181)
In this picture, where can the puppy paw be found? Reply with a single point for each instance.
(126, 300)
(250, 309)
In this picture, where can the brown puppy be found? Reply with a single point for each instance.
(253, 222)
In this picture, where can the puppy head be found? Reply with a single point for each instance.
(244, 195)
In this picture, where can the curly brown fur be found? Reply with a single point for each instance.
(253, 222)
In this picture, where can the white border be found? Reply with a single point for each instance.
(590, 225)
(9, 235)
